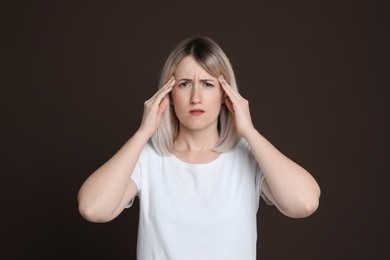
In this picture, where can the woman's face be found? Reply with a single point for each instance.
(196, 96)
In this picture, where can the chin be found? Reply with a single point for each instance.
(198, 126)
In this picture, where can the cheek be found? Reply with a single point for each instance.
(173, 96)
(176, 99)
(216, 97)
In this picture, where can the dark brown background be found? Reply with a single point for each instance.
(74, 77)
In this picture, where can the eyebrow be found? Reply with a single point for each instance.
(204, 80)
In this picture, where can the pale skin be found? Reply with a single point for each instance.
(106, 192)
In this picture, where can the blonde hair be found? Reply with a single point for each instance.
(213, 60)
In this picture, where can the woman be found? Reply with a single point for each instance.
(198, 166)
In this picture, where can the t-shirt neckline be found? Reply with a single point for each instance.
(177, 159)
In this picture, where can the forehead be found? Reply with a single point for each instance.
(189, 67)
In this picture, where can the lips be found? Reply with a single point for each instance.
(196, 112)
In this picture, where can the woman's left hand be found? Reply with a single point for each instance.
(239, 107)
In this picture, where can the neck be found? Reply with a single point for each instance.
(201, 140)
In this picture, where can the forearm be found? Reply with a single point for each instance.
(294, 190)
(101, 193)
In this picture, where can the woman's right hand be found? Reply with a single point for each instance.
(107, 191)
(155, 107)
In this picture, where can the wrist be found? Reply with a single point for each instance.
(249, 133)
(143, 134)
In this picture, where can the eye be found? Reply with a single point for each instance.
(209, 85)
(184, 84)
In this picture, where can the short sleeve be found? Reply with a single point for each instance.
(259, 185)
(259, 176)
(136, 177)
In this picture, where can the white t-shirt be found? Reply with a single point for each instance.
(198, 211)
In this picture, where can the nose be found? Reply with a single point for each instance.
(196, 95)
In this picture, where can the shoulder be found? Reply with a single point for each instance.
(149, 152)
(243, 151)
(242, 146)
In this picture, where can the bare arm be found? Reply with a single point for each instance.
(290, 187)
(106, 191)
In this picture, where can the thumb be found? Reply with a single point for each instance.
(229, 104)
(163, 106)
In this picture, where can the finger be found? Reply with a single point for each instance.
(169, 83)
(228, 89)
(163, 91)
(170, 80)
(229, 104)
(163, 106)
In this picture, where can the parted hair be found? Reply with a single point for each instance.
(211, 57)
